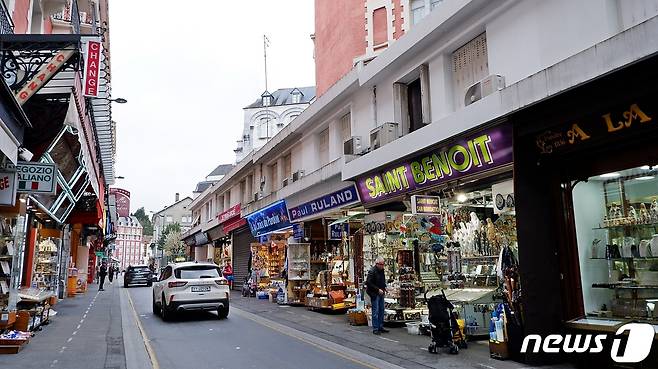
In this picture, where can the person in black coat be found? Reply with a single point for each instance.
(102, 273)
(376, 289)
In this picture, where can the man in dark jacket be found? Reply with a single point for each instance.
(102, 273)
(376, 288)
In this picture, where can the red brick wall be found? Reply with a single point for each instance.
(340, 36)
(19, 17)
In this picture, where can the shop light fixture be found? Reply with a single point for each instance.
(645, 167)
(645, 178)
(462, 197)
(610, 175)
(22, 200)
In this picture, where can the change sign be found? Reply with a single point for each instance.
(35, 177)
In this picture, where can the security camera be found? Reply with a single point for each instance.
(25, 154)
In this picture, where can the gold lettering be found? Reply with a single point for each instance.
(576, 132)
(634, 112)
(611, 126)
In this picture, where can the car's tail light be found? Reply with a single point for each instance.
(222, 282)
(176, 284)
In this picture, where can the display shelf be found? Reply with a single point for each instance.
(612, 286)
(629, 258)
(624, 226)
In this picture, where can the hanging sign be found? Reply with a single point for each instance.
(298, 231)
(481, 152)
(92, 68)
(43, 76)
(33, 177)
(346, 196)
(336, 230)
(269, 219)
(7, 187)
(425, 205)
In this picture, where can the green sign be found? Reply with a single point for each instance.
(100, 254)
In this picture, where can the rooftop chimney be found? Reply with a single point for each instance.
(177, 197)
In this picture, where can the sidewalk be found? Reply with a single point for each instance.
(397, 347)
(85, 333)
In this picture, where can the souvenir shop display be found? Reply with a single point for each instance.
(299, 272)
(46, 264)
(268, 267)
(622, 256)
(9, 272)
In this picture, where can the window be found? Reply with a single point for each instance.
(614, 215)
(267, 100)
(417, 11)
(346, 127)
(434, 4)
(265, 127)
(412, 102)
(379, 26)
(287, 165)
(296, 97)
(275, 176)
(170, 219)
(469, 65)
(293, 116)
(324, 147)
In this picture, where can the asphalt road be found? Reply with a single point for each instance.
(201, 340)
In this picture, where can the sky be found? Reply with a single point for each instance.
(187, 68)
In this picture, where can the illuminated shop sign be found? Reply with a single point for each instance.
(483, 151)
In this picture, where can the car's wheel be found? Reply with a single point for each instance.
(222, 312)
(150, 284)
(165, 313)
(125, 284)
(156, 309)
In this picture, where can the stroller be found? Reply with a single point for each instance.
(444, 329)
(248, 287)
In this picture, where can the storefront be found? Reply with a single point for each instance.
(445, 220)
(587, 189)
(321, 261)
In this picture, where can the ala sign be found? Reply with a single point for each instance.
(638, 345)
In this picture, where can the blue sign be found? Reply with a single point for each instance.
(346, 196)
(336, 230)
(269, 219)
(298, 232)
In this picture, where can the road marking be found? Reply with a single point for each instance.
(84, 316)
(237, 348)
(70, 339)
(82, 321)
(75, 332)
(388, 339)
(147, 341)
(79, 325)
(337, 353)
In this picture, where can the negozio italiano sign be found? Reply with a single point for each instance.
(33, 177)
(480, 152)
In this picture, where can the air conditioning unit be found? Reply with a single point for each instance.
(297, 175)
(285, 182)
(485, 87)
(353, 146)
(257, 196)
(380, 136)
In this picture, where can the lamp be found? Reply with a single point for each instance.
(119, 100)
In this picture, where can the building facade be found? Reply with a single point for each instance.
(452, 95)
(269, 114)
(129, 242)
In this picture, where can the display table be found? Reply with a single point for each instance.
(36, 303)
(474, 305)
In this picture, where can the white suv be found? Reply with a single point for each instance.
(190, 286)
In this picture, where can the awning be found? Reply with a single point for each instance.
(234, 224)
(348, 218)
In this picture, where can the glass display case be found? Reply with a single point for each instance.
(619, 251)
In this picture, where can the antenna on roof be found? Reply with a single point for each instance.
(266, 43)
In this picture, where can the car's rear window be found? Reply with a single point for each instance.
(197, 272)
(138, 269)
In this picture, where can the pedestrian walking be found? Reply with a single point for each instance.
(102, 273)
(110, 274)
(228, 274)
(376, 289)
(116, 271)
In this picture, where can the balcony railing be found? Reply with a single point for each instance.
(72, 15)
(6, 24)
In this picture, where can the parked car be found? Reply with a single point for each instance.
(137, 274)
(190, 286)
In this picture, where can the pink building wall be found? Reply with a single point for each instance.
(340, 36)
(19, 16)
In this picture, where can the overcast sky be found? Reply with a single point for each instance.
(187, 68)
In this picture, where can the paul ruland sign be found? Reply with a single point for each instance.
(35, 177)
(346, 196)
(483, 151)
(425, 204)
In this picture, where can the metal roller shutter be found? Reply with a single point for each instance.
(242, 240)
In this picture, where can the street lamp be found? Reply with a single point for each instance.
(119, 100)
(119, 177)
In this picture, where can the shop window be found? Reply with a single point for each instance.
(417, 11)
(469, 65)
(616, 219)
